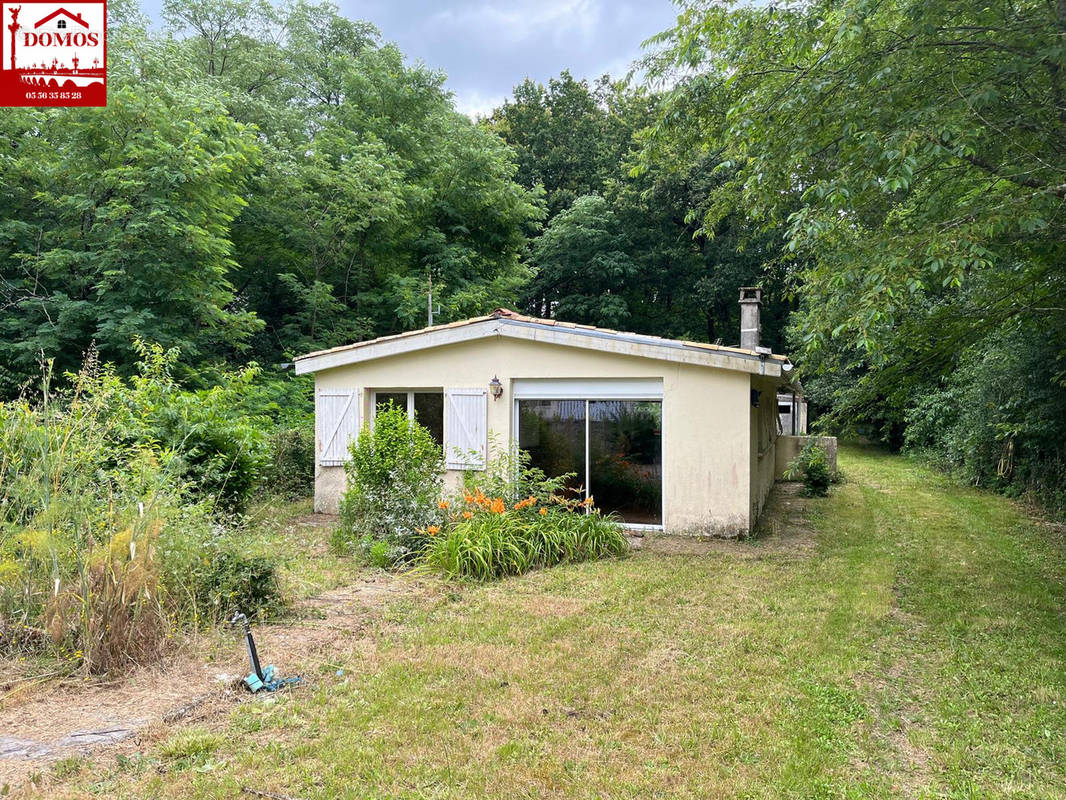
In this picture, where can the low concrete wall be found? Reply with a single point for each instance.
(788, 447)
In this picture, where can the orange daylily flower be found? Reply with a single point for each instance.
(468, 514)
(543, 511)
(442, 504)
(468, 497)
(498, 506)
(433, 530)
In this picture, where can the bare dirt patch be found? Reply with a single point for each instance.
(199, 680)
(784, 528)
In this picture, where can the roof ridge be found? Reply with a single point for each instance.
(509, 315)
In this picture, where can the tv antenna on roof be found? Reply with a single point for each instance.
(431, 310)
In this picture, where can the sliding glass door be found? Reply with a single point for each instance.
(614, 447)
(553, 433)
(626, 458)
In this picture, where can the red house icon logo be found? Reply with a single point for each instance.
(74, 17)
(59, 58)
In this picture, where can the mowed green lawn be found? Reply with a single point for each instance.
(912, 642)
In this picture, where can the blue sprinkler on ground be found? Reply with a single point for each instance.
(260, 680)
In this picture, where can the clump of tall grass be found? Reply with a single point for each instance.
(103, 550)
(492, 545)
(526, 521)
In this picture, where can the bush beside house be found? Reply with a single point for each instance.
(509, 519)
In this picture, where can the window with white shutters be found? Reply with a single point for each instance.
(465, 428)
(336, 424)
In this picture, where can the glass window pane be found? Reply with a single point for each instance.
(553, 433)
(398, 399)
(429, 412)
(626, 458)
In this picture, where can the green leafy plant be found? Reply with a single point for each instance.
(524, 521)
(104, 552)
(812, 467)
(394, 488)
(290, 470)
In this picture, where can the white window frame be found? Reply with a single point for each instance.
(410, 399)
(607, 389)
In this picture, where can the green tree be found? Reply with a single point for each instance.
(915, 152)
(923, 139)
(583, 265)
(115, 224)
(636, 253)
(569, 137)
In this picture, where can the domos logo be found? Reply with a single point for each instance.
(53, 53)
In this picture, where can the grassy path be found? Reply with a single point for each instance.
(911, 643)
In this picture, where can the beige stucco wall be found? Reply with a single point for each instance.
(764, 436)
(706, 417)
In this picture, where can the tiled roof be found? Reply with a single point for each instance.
(514, 316)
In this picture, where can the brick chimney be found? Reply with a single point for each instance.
(750, 326)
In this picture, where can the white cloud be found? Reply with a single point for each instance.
(475, 104)
(509, 23)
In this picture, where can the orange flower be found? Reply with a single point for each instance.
(433, 530)
(468, 514)
(587, 502)
(498, 506)
(529, 501)
(543, 512)
(442, 504)
(468, 497)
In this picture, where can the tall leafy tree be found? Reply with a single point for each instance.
(625, 246)
(115, 223)
(569, 136)
(916, 152)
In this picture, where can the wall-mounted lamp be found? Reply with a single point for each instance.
(495, 388)
(755, 395)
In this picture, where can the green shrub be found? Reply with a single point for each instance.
(394, 487)
(812, 466)
(222, 450)
(234, 581)
(290, 474)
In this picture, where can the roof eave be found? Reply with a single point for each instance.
(633, 345)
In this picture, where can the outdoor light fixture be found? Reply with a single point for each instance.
(755, 395)
(495, 388)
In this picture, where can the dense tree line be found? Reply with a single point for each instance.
(265, 181)
(249, 196)
(915, 153)
(624, 244)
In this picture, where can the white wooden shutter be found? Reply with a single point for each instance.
(465, 428)
(336, 424)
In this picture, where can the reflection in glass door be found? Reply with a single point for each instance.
(626, 458)
(553, 433)
(614, 447)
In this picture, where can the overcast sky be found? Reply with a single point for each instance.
(488, 46)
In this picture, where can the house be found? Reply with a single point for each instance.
(792, 412)
(671, 435)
